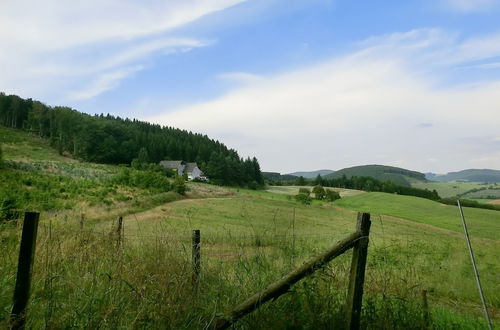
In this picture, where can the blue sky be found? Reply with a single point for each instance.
(301, 84)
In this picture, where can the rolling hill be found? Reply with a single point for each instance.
(397, 175)
(312, 174)
(471, 175)
(278, 176)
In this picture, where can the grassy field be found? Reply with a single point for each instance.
(488, 194)
(294, 190)
(448, 189)
(481, 223)
(83, 280)
(19, 145)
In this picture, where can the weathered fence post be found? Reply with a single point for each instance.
(425, 310)
(82, 220)
(357, 275)
(119, 231)
(196, 256)
(24, 270)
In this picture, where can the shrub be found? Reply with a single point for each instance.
(319, 192)
(303, 198)
(179, 185)
(332, 195)
(304, 191)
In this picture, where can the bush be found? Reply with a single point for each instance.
(332, 195)
(303, 198)
(304, 191)
(319, 192)
(179, 185)
(142, 179)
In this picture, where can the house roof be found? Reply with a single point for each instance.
(172, 163)
(190, 167)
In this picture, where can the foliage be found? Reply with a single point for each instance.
(332, 195)
(319, 192)
(371, 184)
(143, 179)
(179, 185)
(303, 198)
(303, 190)
(113, 140)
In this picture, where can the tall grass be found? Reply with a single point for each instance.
(84, 279)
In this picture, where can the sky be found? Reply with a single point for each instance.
(299, 84)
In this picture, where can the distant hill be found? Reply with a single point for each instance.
(472, 175)
(397, 175)
(430, 175)
(312, 174)
(278, 176)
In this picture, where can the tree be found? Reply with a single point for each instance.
(319, 192)
(301, 181)
(303, 198)
(304, 191)
(179, 185)
(331, 195)
(319, 180)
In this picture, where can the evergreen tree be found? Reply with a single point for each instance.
(109, 139)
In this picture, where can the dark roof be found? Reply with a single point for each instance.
(172, 163)
(190, 167)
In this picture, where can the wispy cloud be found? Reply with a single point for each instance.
(467, 6)
(90, 43)
(351, 109)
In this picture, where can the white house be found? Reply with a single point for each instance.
(181, 167)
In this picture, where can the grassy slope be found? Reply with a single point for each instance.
(60, 185)
(18, 145)
(404, 255)
(248, 241)
(482, 223)
(447, 189)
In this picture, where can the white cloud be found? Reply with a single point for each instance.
(467, 6)
(58, 43)
(106, 81)
(356, 108)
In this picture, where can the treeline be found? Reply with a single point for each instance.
(363, 183)
(114, 140)
(371, 184)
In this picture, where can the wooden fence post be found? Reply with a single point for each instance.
(196, 256)
(24, 270)
(425, 310)
(82, 220)
(357, 275)
(119, 231)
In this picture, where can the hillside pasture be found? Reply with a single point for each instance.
(448, 189)
(84, 279)
(482, 223)
(294, 190)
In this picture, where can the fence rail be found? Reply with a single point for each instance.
(357, 240)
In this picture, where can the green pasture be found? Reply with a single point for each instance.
(481, 222)
(447, 189)
(294, 190)
(84, 278)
